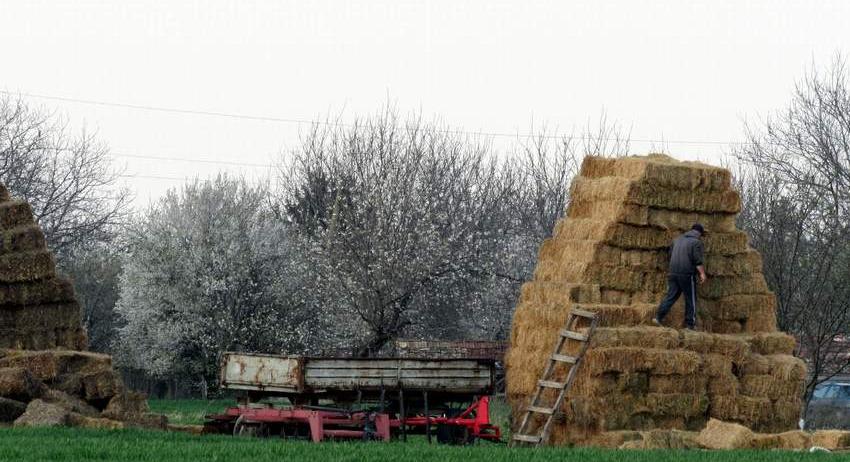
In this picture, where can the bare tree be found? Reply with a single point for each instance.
(806, 261)
(69, 180)
(796, 202)
(808, 143)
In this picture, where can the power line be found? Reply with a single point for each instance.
(340, 124)
(183, 159)
(153, 177)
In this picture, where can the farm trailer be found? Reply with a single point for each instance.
(374, 398)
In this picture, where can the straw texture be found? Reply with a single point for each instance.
(609, 255)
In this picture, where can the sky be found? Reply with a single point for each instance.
(681, 76)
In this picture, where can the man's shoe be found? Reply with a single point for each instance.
(692, 328)
(656, 321)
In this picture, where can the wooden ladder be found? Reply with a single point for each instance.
(565, 335)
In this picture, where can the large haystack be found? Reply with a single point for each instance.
(609, 255)
(45, 376)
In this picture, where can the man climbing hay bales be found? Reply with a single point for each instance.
(686, 264)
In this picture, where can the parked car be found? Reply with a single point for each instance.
(830, 406)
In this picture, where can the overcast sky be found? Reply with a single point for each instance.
(675, 70)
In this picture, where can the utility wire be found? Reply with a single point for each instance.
(340, 124)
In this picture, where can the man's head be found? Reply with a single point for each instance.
(698, 227)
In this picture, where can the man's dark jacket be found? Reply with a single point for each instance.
(686, 253)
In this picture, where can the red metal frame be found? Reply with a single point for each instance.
(337, 424)
(476, 418)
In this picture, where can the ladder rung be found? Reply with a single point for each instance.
(573, 335)
(583, 313)
(550, 384)
(564, 358)
(527, 438)
(541, 410)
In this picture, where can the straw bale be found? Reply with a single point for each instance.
(631, 359)
(643, 337)
(795, 439)
(125, 405)
(559, 293)
(723, 407)
(620, 315)
(723, 385)
(771, 387)
(49, 365)
(71, 403)
(608, 210)
(19, 383)
(738, 307)
(772, 343)
(51, 290)
(756, 364)
(733, 348)
(37, 338)
(659, 169)
(21, 238)
(44, 317)
(15, 213)
(831, 439)
(43, 414)
(731, 243)
(612, 440)
(724, 286)
(631, 412)
(725, 435)
(688, 384)
(555, 252)
(754, 410)
(715, 365)
(634, 192)
(745, 262)
(11, 409)
(680, 221)
(597, 385)
(786, 413)
(663, 439)
(97, 388)
(787, 367)
(763, 320)
(100, 423)
(26, 266)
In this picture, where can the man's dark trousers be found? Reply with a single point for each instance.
(678, 284)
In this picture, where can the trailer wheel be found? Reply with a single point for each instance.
(243, 428)
(454, 434)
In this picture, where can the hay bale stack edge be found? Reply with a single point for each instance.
(609, 255)
(46, 376)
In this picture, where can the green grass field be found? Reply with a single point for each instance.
(69, 444)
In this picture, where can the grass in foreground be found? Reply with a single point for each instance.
(68, 444)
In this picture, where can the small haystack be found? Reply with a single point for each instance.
(46, 377)
(609, 255)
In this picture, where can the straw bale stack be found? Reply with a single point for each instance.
(45, 376)
(609, 255)
(38, 309)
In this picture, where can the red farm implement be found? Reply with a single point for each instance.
(318, 424)
(373, 399)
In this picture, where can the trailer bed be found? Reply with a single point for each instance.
(284, 374)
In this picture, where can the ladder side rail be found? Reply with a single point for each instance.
(547, 427)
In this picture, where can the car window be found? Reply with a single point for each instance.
(843, 392)
(826, 392)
